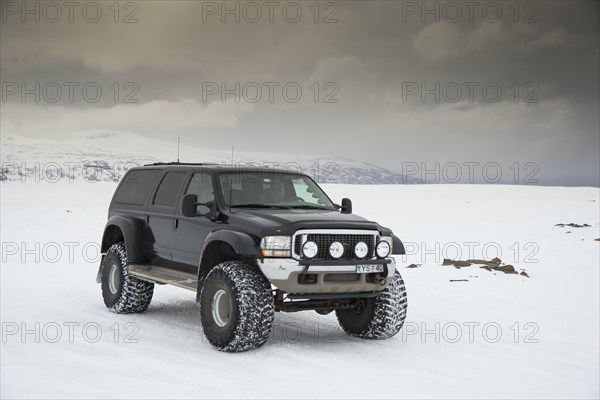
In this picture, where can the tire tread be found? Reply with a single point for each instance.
(136, 294)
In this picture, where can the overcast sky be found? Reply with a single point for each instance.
(527, 75)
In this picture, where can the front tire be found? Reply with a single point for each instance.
(122, 293)
(236, 307)
(379, 317)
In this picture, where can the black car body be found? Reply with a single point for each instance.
(177, 222)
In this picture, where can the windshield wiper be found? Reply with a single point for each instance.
(311, 207)
(260, 206)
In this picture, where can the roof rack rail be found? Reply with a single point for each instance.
(178, 163)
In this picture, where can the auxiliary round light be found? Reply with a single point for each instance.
(309, 249)
(336, 249)
(361, 249)
(383, 249)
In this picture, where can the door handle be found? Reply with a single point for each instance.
(147, 218)
(176, 223)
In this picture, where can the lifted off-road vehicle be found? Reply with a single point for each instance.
(249, 242)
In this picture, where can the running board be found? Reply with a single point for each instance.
(164, 276)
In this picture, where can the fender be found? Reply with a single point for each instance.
(243, 244)
(122, 228)
(397, 245)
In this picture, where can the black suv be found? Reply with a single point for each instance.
(249, 242)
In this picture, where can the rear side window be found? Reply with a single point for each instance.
(136, 187)
(166, 195)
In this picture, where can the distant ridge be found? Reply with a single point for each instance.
(104, 155)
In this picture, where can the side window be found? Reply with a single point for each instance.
(202, 186)
(136, 186)
(166, 195)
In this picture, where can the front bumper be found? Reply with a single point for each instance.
(326, 276)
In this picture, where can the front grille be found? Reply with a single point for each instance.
(324, 240)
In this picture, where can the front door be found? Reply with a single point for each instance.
(190, 232)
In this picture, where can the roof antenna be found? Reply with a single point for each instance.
(231, 182)
(178, 139)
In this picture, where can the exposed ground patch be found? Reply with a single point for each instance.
(573, 225)
(494, 264)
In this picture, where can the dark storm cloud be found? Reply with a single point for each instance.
(370, 54)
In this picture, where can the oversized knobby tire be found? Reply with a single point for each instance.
(122, 293)
(379, 317)
(236, 307)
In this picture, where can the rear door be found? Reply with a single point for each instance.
(160, 218)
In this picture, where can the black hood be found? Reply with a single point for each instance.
(262, 222)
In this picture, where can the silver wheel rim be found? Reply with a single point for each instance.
(221, 308)
(113, 279)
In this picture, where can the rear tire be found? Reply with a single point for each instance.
(122, 293)
(236, 307)
(378, 317)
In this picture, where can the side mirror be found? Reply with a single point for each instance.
(188, 205)
(346, 206)
(211, 212)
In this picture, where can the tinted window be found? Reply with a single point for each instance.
(136, 186)
(201, 185)
(166, 195)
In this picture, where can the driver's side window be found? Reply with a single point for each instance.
(202, 186)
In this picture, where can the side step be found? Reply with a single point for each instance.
(165, 276)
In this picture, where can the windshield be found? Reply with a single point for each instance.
(272, 190)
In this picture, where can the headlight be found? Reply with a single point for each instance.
(361, 249)
(384, 247)
(336, 249)
(310, 249)
(276, 246)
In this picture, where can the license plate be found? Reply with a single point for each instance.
(369, 268)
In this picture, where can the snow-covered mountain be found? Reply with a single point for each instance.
(106, 155)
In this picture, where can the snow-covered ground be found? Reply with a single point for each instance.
(494, 335)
